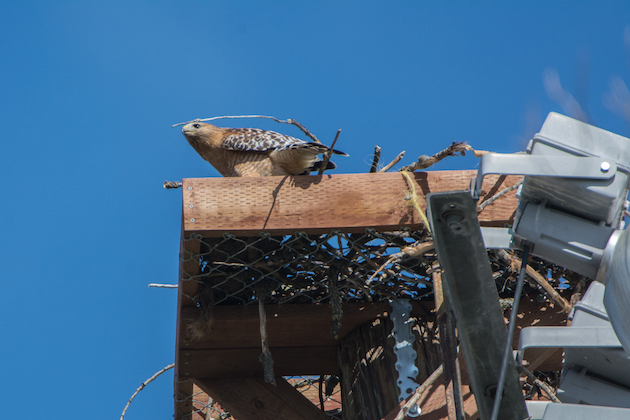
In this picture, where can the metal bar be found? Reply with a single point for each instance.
(564, 166)
(573, 336)
(473, 297)
(507, 352)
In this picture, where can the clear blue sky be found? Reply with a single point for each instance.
(88, 94)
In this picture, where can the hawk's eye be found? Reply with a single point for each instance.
(196, 125)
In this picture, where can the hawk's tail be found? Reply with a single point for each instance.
(317, 165)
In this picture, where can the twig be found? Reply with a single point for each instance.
(515, 265)
(498, 195)
(542, 385)
(410, 251)
(415, 397)
(172, 184)
(391, 164)
(163, 286)
(145, 383)
(425, 161)
(328, 154)
(377, 157)
(287, 121)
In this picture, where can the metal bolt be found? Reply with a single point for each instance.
(191, 206)
(192, 220)
(414, 411)
(189, 188)
(605, 166)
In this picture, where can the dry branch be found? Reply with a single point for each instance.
(542, 385)
(515, 265)
(377, 157)
(455, 148)
(163, 286)
(328, 154)
(169, 185)
(410, 251)
(391, 164)
(145, 383)
(498, 195)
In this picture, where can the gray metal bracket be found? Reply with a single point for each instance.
(541, 165)
(497, 238)
(403, 349)
(573, 336)
(584, 412)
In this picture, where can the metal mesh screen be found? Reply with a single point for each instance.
(302, 268)
(337, 267)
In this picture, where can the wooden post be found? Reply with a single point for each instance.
(189, 267)
(448, 346)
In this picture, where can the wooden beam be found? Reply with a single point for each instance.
(188, 267)
(253, 399)
(287, 325)
(349, 202)
(288, 361)
(299, 337)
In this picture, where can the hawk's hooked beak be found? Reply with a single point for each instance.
(188, 129)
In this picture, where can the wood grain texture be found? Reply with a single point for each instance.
(235, 363)
(188, 266)
(252, 399)
(349, 202)
(287, 325)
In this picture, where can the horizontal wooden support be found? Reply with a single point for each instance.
(287, 325)
(235, 363)
(299, 337)
(348, 202)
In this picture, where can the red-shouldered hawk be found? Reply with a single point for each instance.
(254, 152)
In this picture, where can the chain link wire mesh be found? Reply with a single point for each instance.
(334, 267)
(301, 268)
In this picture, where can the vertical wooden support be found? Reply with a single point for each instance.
(448, 346)
(368, 376)
(188, 268)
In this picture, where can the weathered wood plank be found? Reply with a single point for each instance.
(234, 363)
(188, 267)
(349, 202)
(252, 399)
(287, 325)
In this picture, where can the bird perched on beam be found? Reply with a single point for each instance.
(253, 152)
